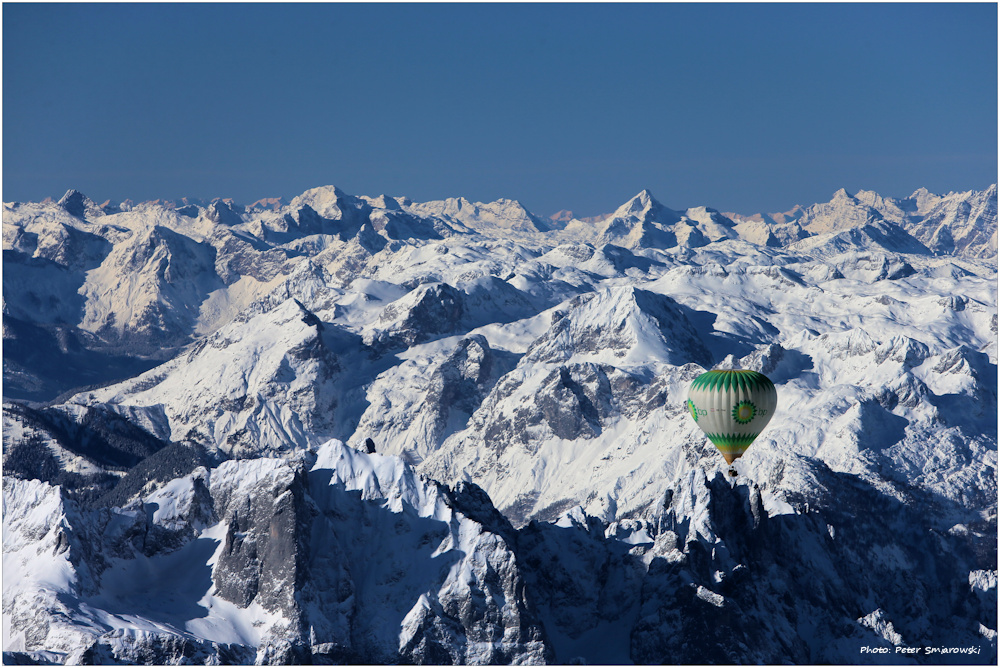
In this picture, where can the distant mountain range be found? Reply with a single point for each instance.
(189, 387)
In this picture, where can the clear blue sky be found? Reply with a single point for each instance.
(740, 107)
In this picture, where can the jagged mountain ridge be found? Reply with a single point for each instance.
(961, 223)
(549, 369)
(335, 555)
(139, 280)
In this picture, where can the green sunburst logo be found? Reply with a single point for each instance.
(744, 411)
(694, 411)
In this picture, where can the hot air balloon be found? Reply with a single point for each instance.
(732, 407)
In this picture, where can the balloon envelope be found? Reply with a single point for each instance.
(732, 407)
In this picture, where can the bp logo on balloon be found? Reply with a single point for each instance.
(744, 411)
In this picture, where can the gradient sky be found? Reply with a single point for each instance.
(740, 107)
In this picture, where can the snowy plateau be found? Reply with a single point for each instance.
(190, 388)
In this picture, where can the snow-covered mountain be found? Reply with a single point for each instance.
(201, 489)
(333, 555)
(962, 224)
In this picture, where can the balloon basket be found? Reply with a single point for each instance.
(733, 472)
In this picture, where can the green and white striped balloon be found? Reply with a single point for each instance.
(732, 407)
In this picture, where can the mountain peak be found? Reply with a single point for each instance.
(323, 191)
(383, 202)
(647, 326)
(77, 204)
(641, 222)
(224, 213)
(329, 202)
(643, 206)
(641, 202)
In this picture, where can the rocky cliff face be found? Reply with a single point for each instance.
(334, 556)
(341, 556)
